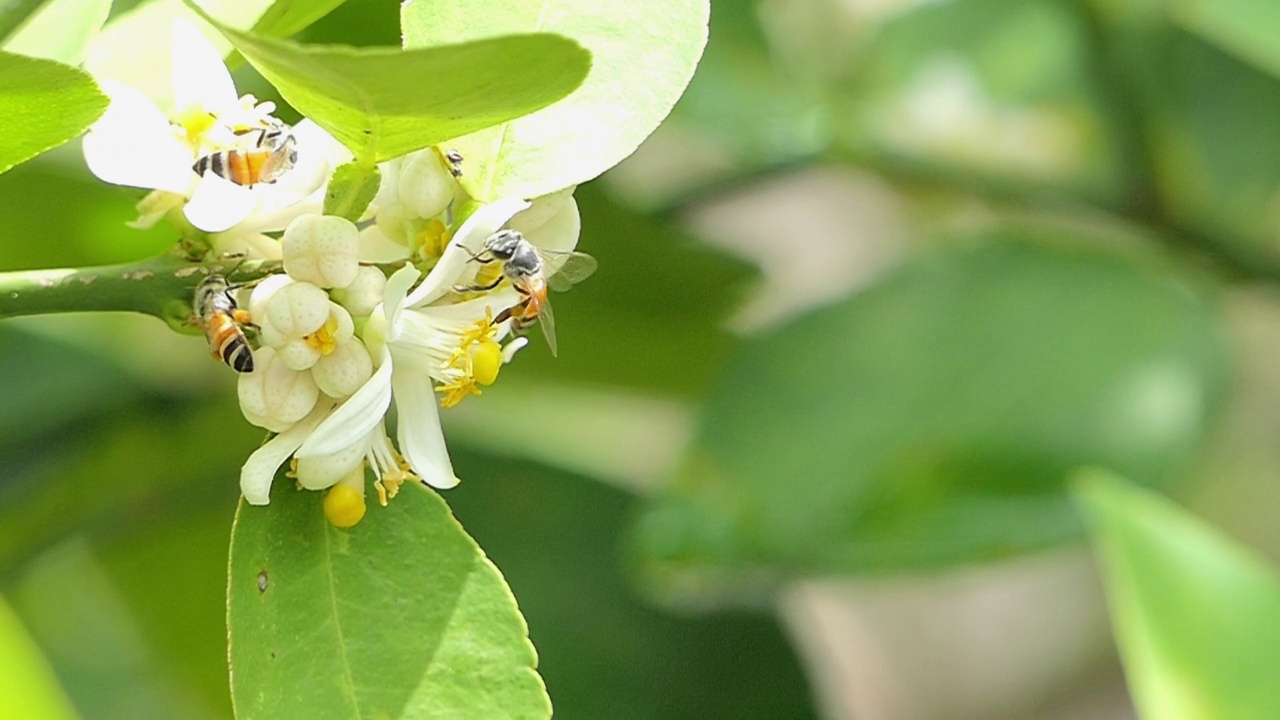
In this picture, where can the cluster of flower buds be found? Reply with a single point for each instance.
(406, 308)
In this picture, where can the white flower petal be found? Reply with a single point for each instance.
(133, 144)
(467, 242)
(558, 233)
(419, 433)
(217, 204)
(260, 469)
(355, 418)
(395, 292)
(200, 79)
(376, 247)
(542, 209)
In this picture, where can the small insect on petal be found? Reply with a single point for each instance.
(344, 506)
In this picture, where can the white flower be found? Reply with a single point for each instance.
(302, 324)
(135, 144)
(420, 343)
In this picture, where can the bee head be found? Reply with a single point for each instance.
(503, 244)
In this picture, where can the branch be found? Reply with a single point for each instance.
(162, 286)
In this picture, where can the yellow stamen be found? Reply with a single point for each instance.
(195, 122)
(344, 506)
(476, 362)
(433, 239)
(323, 340)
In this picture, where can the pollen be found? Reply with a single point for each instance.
(389, 486)
(343, 506)
(324, 340)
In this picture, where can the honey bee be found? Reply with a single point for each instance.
(531, 270)
(264, 160)
(222, 321)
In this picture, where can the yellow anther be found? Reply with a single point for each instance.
(486, 361)
(323, 340)
(343, 506)
(389, 486)
(195, 122)
(476, 361)
(433, 239)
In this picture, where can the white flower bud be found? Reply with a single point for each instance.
(322, 472)
(275, 396)
(322, 250)
(262, 293)
(364, 293)
(301, 353)
(294, 311)
(425, 185)
(343, 371)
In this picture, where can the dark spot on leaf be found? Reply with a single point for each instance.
(262, 581)
(273, 654)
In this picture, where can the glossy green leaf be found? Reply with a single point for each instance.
(44, 104)
(932, 419)
(401, 616)
(1197, 616)
(643, 55)
(29, 691)
(383, 102)
(1246, 28)
(61, 30)
(351, 190)
(285, 18)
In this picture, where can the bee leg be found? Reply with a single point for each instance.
(477, 288)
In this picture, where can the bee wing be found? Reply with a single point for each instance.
(567, 269)
(548, 322)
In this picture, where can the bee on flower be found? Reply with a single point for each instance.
(423, 344)
(231, 167)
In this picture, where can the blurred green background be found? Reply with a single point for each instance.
(889, 274)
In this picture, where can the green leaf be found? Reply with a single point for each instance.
(14, 14)
(401, 616)
(30, 690)
(643, 55)
(1245, 28)
(351, 190)
(932, 419)
(44, 105)
(285, 18)
(1197, 616)
(383, 102)
(61, 30)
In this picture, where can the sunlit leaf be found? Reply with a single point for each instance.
(382, 102)
(401, 616)
(44, 104)
(350, 191)
(643, 55)
(14, 14)
(285, 18)
(29, 691)
(61, 30)
(1197, 616)
(932, 419)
